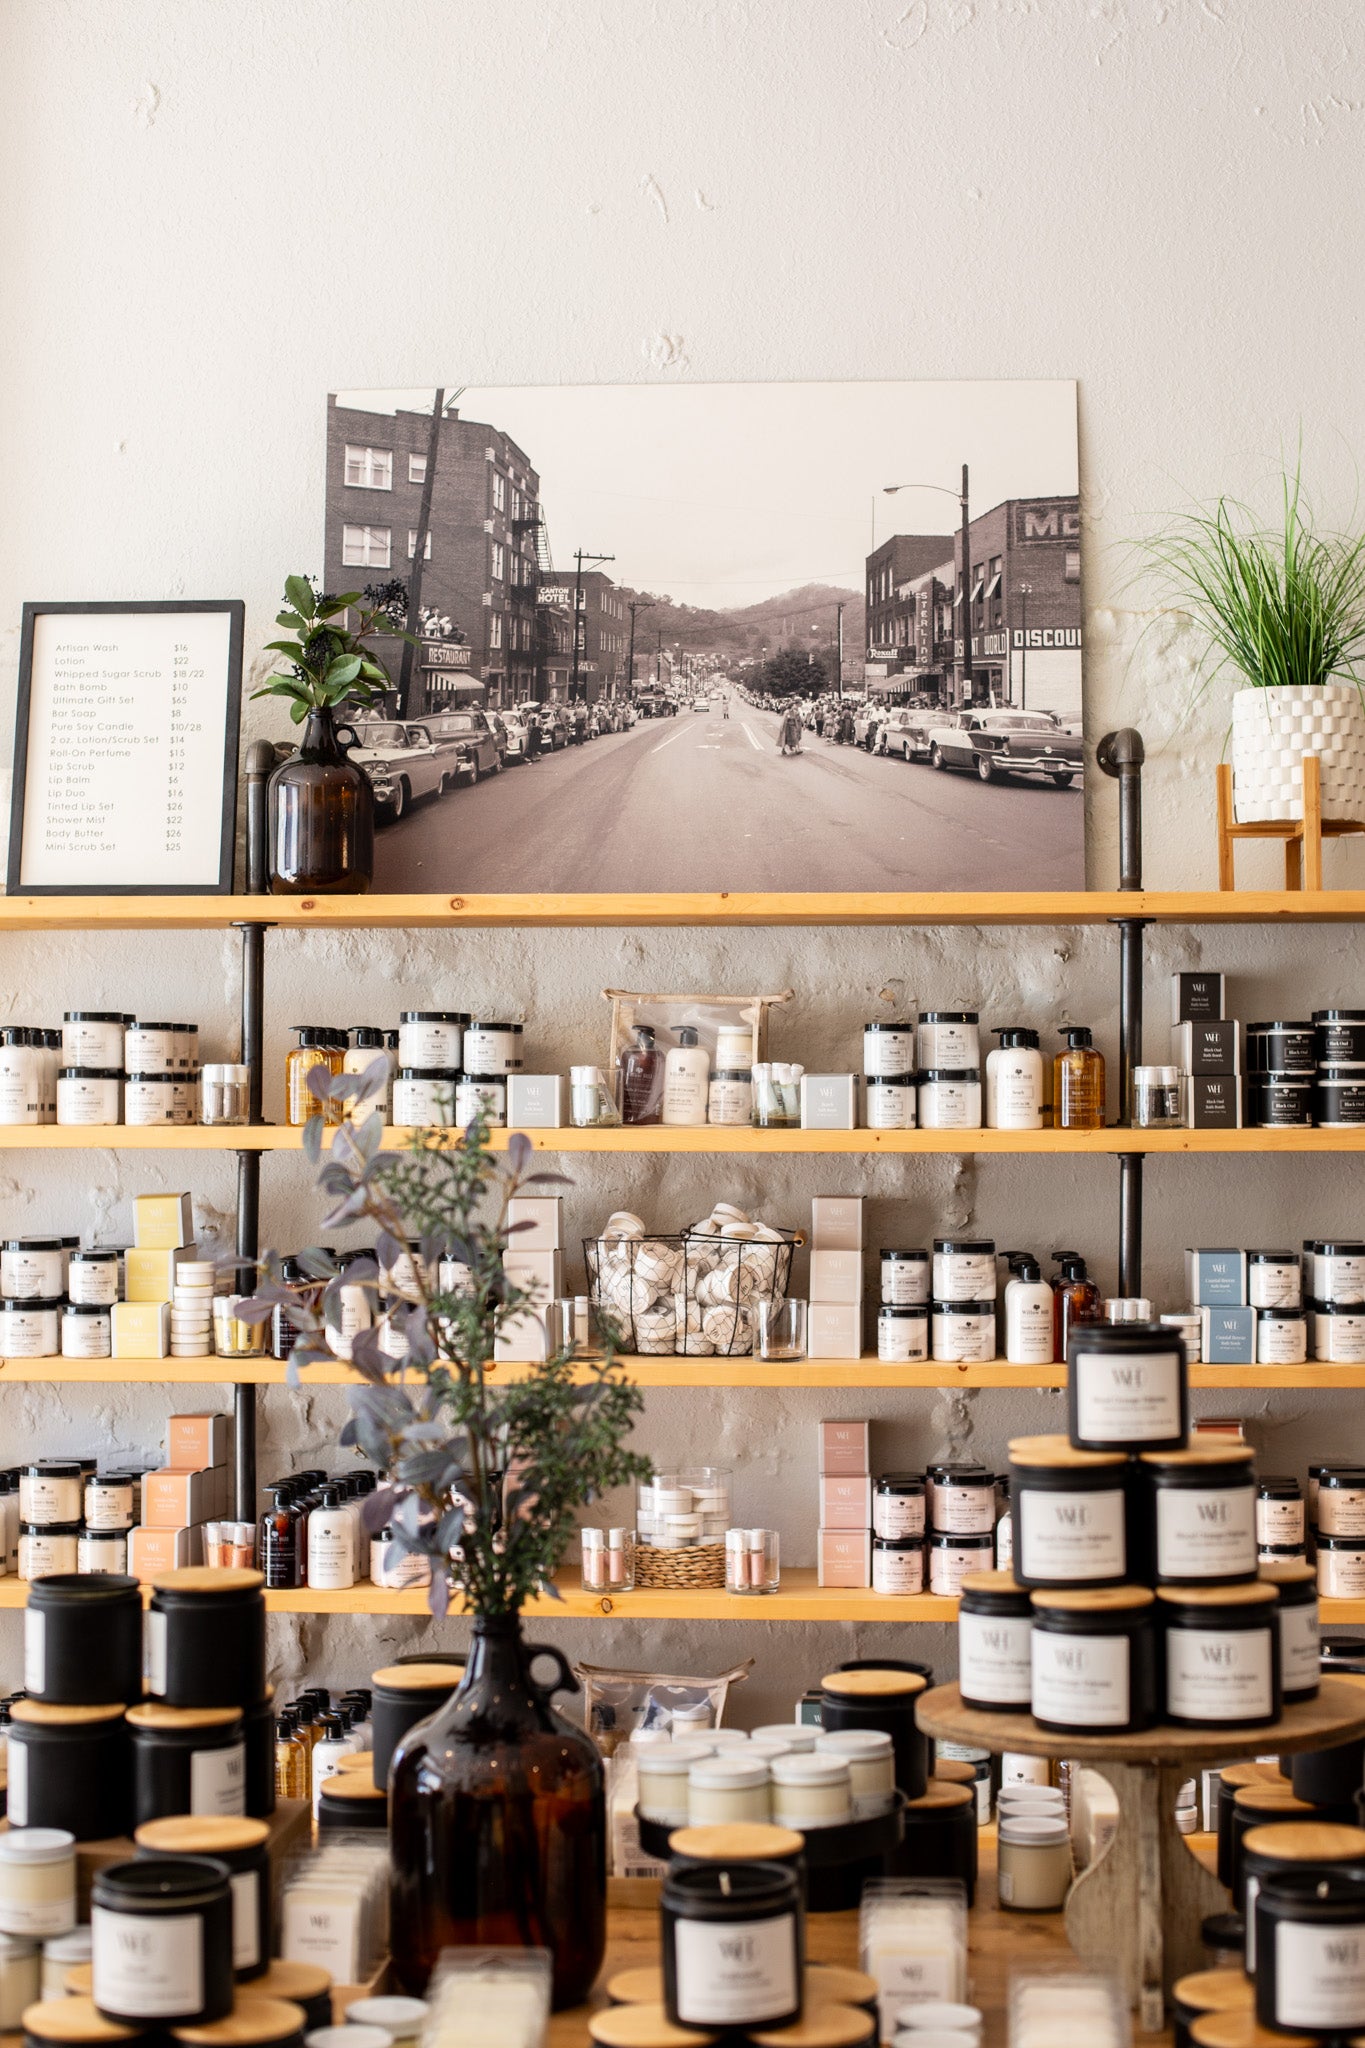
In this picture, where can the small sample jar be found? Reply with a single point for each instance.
(898, 1507)
(1341, 1501)
(187, 1760)
(1094, 1660)
(994, 1637)
(87, 1331)
(62, 1953)
(1310, 1926)
(51, 1492)
(30, 1329)
(492, 1048)
(1127, 1388)
(481, 1095)
(724, 1789)
(1338, 1334)
(871, 1761)
(963, 1332)
(1274, 1279)
(1300, 1633)
(243, 1846)
(1070, 1512)
(608, 1560)
(889, 1102)
(432, 1040)
(1281, 1523)
(888, 1049)
(949, 1099)
(812, 1792)
(735, 1048)
(905, 1279)
(1202, 1513)
(93, 1038)
(92, 1278)
(225, 1093)
(158, 1099)
(424, 1098)
(730, 1097)
(151, 1049)
(903, 1334)
(100, 1552)
(1339, 1098)
(205, 1638)
(1341, 1567)
(1339, 1038)
(89, 1095)
(663, 1771)
(898, 1566)
(1033, 1862)
(962, 1501)
(162, 1934)
(963, 1269)
(954, 1558)
(1281, 1336)
(51, 1549)
(1156, 1098)
(1338, 1273)
(32, 1269)
(751, 1561)
(37, 1881)
(948, 1038)
(733, 1948)
(402, 2019)
(68, 1768)
(1281, 1047)
(1279, 1102)
(1222, 1655)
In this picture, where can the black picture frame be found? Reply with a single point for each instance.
(235, 611)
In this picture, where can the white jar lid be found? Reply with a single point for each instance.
(728, 1738)
(405, 2013)
(854, 1742)
(730, 1773)
(796, 1734)
(674, 1759)
(1037, 1830)
(938, 2012)
(810, 1770)
(36, 1845)
(649, 1738)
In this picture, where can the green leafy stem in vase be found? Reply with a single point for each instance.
(328, 659)
(483, 1474)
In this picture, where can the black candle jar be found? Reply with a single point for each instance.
(1127, 1388)
(940, 1837)
(162, 1931)
(242, 1846)
(827, 2026)
(1202, 1516)
(1095, 1656)
(83, 1640)
(881, 1697)
(732, 1948)
(1294, 1846)
(1300, 1635)
(405, 1694)
(1267, 1805)
(1203, 1992)
(750, 1841)
(1342, 1651)
(1232, 1779)
(206, 1638)
(301, 1984)
(69, 1768)
(994, 1636)
(349, 1799)
(1222, 1655)
(258, 1735)
(255, 2022)
(1070, 1512)
(1280, 1102)
(1310, 1948)
(187, 1760)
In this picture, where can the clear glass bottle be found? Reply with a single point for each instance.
(590, 1100)
(317, 1047)
(640, 1074)
(1078, 1082)
(1075, 1299)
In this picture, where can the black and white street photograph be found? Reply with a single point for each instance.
(676, 637)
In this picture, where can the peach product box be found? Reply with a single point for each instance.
(149, 1272)
(161, 1222)
(846, 1503)
(141, 1329)
(544, 1214)
(198, 1441)
(836, 1223)
(153, 1551)
(834, 1329)
(845, 1557)
(172, 1499)
(836, 1276)
(539, 1273)
(844, 1450)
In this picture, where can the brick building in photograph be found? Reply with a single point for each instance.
(898, 562)
(603, 634)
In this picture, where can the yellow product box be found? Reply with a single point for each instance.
(154, 1551)
(163, 1221)
(149, 1270)
(142, 1329)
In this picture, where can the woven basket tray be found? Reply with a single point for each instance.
(701, 1565)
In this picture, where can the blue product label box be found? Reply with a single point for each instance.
(1229, 1336)
(1216, 1277)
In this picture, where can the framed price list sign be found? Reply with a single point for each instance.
(125, 749)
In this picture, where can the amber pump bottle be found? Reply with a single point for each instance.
(317, 1047)
(1078, 1082)
(641, 1067)
(1075, 1299)
(291, 1758)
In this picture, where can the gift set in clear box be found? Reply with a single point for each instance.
(681, 1519)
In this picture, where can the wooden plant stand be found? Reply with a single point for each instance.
(1137, 1910)
(1302, 837)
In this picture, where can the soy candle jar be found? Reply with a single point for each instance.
(733, 1948)
(1222, 1656)
(905, 1279)
(1094, 1660)
(1070, 1511)
(751, 1561)
(37, 1881)
(994, 1643)
(1202, 1512)
(663, 1769)
(725, 1789)
(1310, 1937)
(811, 1792)
(1127, 1388)
(1300, 1632)
(162, 1941)
(1034, 1863)
(871, 1762)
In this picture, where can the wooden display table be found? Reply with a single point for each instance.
(1137, 1910)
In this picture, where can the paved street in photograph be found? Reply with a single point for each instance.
(702, 802)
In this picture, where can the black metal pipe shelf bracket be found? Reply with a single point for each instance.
(260, 759)
(1120, 754)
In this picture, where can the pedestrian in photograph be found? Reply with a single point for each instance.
(791, 731)
(533, 735)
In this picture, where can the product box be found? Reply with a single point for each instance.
(198, 1441)
(161, 1221)
(1196, 996)
(1207, 1046)
(846, 1503)
(141, 1329)
(1229, 1336)
(829, 1102)
(535, 1102)
(149, 1271)
(540, 1273)
(521, 1338)
(153, 1551)
(843, 1450)
(836, 1223)
(1211, 1102)
(845, 1557)
(834, 1329)
(836, 1276)
(1215, 1278)
(540, 1218)
(173, 1499)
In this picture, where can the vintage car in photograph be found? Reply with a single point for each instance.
(472, 733)
(906, 731)
(403, 762)
(1006, 742)
(511, 727)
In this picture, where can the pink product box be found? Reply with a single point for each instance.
(834, 1329)
(845, 1557)
(846, 1503)
(843, 1450)
(836, 1223)
(836, 1277)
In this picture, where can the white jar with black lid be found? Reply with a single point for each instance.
(889, 1102)
(953, 1557)
(963, 1332)
(949, 1099)
(425, 1096)
(1222, 1655)
(1300, 1631)
(152, 1048)
(492, 1048)
(1202, 1513)
(23, 1068)
(110, 1501)
(30, 1329)
(1341, 1501)
(89, 1095)
(481, 1095)
(1339, 1099)
(1127, 1388)
(432, 1040)
(1281, 1521)
(948, 1038)
(902, 1335)
(962, 1500)
(156, 1099)
(1070, 1511)
(888, 1049)
(898, 1506)
(1281, 1336)
(994, 1634)
(92, 1277)
(93, 1038)
(1279, 1102)
(897, 1567)
(964, 1269)
(905, 1279)
(1281, 1047)
(1339, 1333)
(1274, 1279)
(1339, 1038)
(87, 1330)
(51, 1492)
(31, 1268)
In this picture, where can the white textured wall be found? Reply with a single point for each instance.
(215, 213)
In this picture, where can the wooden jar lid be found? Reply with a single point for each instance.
(1215, 1991)
(1288, 1571)
(203, 1578)
(191, 1834)
(73, 2019)
(296, 1981)
(1307, 1841)
(873, 1684)
(1257, 1594)
(350, 1786)
(949, 1770)
(1270, 1799)
(1195, 1455)
(1239, 2030)
(992, 1582)
(940, 1794)
(643, 1985)
(739, 1841)
(836, 1984)
(1059, 1450)
(820, 2026)
(643, 2026)
(151, 1715)
(419, 1677)
(39, 1714)
(1250, 1773)
(251, 2021)
(1095, 1599)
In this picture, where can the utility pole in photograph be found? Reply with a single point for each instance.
(968, 674)
(636, 604)
(659, 657)
(581, 555)
(839, 648)
(1025, 593)
(406, 707)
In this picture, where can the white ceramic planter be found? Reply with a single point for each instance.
(1271, 732)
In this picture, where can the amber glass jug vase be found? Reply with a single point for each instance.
(498, 1822)
(320, 810)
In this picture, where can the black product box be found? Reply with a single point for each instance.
(1196, 996)
(1212, 1102)
(1207, 1046)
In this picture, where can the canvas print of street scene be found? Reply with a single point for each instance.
(720, 637)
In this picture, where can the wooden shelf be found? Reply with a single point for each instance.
(373, 913)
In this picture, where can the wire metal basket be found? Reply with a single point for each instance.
(693, 1295)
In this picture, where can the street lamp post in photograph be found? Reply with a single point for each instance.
(964, 597)
(1025, 593)
(636, 604)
